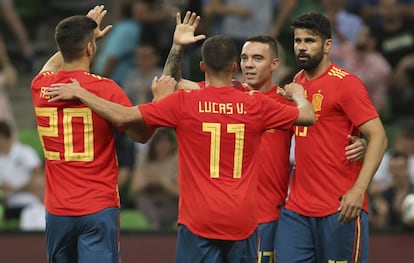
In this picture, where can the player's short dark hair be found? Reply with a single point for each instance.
(315, 22)
(219, 53)
(72, 34)
(265, 39)
(5, 130)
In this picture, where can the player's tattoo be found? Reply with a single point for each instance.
(173, 64)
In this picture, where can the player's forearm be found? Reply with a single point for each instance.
(117, 114)
(54, 63)
(173, 63)
(377, 144)
(306, 113)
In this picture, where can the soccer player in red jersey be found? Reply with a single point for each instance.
(259, 59)
(218, 132)
(325, 216)
(82, 203)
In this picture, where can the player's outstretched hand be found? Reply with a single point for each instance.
(163, 86)
(184, 30)
(356, 150)
(97, 13)
(64, 91)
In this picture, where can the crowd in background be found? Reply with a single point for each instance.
(372, 39)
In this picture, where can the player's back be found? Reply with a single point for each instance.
(81, 168)
(218, 132)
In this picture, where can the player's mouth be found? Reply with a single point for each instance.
(250, 74)
(303, 57)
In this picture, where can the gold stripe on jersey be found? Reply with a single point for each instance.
(336, 72)
(48, 73)
(95, 76)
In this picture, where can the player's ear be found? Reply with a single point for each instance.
(234, 67)
(275, 64)
(89, 49)
(202, 66)
(327, 45)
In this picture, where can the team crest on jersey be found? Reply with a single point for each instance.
(317, 99)
(337, 72)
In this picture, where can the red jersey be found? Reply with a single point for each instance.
(81, 165)
(322, 172)
(218, 133)
(274, 165)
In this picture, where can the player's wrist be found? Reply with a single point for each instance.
(80, 92)
(298, 98)
(178, 47)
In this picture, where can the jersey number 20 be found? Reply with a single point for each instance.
(52, 131)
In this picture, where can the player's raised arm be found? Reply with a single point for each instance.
(97, 13)
(183, 36)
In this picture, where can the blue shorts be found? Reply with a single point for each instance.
(195, 249)
(83, 239)
(321, 239)
(267, 236)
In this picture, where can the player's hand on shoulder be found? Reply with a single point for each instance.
(163, 86)
(64, 91)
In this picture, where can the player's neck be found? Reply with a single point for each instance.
(76, 65)
(268, 85)
(218, 81)
(318, 70)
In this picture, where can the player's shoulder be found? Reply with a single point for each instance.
(46, 74)
(42, 78)
(98, 82)
(240, 86)
(338, 73)
(188, 90)
(95, 77)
